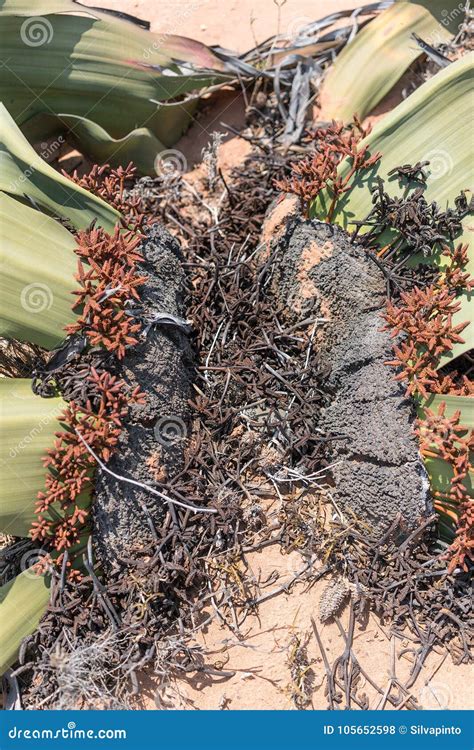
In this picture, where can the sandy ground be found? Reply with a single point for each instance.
(234, 24)
(261, 658)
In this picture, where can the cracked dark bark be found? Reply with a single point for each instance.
(377, 470)
(162, 365)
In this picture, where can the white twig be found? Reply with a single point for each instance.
(161, 495)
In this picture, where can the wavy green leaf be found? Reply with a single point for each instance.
(369, 66)
(27, 427)
(104, 69)
(23, 602)
(37, 275)
(140, 146)
(166, 47)
(25, 175)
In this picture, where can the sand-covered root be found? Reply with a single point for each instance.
(153, 440)
(376, 466)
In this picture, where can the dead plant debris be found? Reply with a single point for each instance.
(257, 388)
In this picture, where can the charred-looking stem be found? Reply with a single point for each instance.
(377, 470)
(152, 442)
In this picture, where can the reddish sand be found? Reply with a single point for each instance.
(260, 659)
(234, 24)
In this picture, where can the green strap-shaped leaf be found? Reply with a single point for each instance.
(23, 602)
(369, 66)
(433, 123)
(37, 275)
(27, 427)
(140, 146)
(165, 48)
(24, 174)
(93, 66)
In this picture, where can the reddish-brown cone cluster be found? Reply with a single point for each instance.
(444, 437)
(319, 171)
(425, 318)
(60, 508)
(107, 279)
(110, 185)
